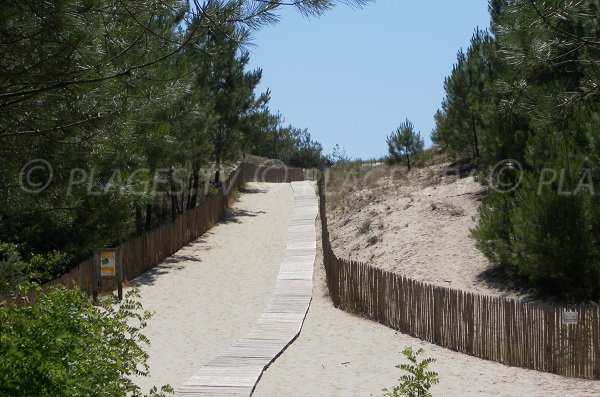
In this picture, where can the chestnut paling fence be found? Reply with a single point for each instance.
(149, 249)
(524, 334)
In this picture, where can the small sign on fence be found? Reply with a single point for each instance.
(108, 263)
(570, 318)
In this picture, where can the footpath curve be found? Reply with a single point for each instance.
(236, 371)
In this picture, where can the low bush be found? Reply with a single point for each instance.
(63, 345)
(418, 380)
(548, 237)
(43, 268)
(12, 268)
(364, 227)
(372, 240)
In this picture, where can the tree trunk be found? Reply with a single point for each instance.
(173, 194)
(408, 161)
(218, 172)
(148, 216)
(475, 140)
(190, 191)
(139, 221)
(218, 152)
(182, 201)
(195, 186)
(473, 129)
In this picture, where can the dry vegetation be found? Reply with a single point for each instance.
(414, 223)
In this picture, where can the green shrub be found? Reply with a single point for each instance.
(364, 226)
(63, 345)
(418, 380)
(556, 241)
(493, 234)
(547, 234)
(12, 268)
(16, 268)
(43, 268)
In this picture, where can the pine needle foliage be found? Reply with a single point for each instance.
(131, 104)
(534, 102)
(404, 144)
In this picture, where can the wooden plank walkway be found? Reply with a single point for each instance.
(236, 371)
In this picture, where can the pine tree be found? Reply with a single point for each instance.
(106, 88)
(547, 228)
(405, 143)
(469, 112)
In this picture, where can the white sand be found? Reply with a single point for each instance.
(340, 355)
(220, 285)
(422, 226)
(211, 292)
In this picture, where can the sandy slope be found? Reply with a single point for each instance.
(340, 355)
(210, 293)
(420, 226)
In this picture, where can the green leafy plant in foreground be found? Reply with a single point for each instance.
(418, 380)
(63, 345)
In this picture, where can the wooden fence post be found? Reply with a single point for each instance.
(493, 328)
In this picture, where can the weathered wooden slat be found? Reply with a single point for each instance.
(517, 333)
(236, 371)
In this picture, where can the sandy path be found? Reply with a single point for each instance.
(210, 293)
(341, 355)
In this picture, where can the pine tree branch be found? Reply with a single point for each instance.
(546, 21)
(126, 72)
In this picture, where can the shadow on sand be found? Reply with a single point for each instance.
(173, 262)
(150, 277)
(170, 264)
(505, 281)
(235, 215)
(252, 191)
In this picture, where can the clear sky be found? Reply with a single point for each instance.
(352, 75)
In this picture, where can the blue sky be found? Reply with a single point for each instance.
(352, 75)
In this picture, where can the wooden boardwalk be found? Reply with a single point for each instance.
(236, 371)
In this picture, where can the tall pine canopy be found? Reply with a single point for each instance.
(111, 110)
(527, 92)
